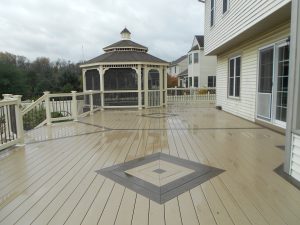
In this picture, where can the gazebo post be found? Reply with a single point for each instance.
(101, 72)
(84, 79)
(139, 73)
(161, 85)
(166, 85)
(146, 71)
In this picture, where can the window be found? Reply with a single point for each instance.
(175, 69)
(196, 57)
(212, 12)
(190, 82)
(211, 81)
(234, 77)
(190, 59)
(196, 82)
(225, 6)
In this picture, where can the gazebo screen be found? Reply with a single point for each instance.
(153, 80)
(120, 79)
(92, 78)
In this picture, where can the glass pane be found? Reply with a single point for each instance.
(231, 83)
(212, 16)
(238, 67)
(266, 71)
(231, 68)
(237, 86)
(195, 81)
(196, 58)
(225, 5)
(190, 81)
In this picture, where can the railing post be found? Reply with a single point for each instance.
(74, 106)
(19, 119)
(48, 112)
(7, 97)
(91, 102)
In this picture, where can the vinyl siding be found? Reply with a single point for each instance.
(245, 106)
(204, 68)
(295, 159)
(241, 16)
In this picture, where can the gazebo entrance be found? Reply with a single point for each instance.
(154, 88)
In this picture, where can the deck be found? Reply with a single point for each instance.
(52, 180)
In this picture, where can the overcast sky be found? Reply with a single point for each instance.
(59, 28)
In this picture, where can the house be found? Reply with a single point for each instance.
(253, 57)
(127, 76)
(178, 66)
(183, 79)
(201, 68)
(292, 149)
(251, 40)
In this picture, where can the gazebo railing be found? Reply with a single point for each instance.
(121, 98)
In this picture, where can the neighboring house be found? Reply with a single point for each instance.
(252, 42)
(183, 79)
(178, 66)
(292, 149)
(201, 68)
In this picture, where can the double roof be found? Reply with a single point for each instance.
(125, 51)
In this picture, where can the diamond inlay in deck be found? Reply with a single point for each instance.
(160, 177)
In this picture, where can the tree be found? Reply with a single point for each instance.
(12, 80)
(172, 81)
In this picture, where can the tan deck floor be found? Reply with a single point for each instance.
(52, 180)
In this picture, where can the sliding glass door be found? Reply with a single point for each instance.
(273, 84)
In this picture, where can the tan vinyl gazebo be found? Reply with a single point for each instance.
(127, 76)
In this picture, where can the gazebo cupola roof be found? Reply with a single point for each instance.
(126, 44)
(126, 35)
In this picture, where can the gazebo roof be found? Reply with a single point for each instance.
(125, 56)
(125, 44)
(125, 51)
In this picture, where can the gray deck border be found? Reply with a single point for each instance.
(166, 192)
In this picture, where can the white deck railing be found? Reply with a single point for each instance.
(60, 107)
(177, 95)
(11, 125)
(50, 108)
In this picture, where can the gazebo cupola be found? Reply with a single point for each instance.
(125, 34)
(127, 75)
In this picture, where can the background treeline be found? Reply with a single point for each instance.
(18, 75)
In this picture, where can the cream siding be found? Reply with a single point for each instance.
(208, 67)
(241, 16)
(245, 106)
(295, 159)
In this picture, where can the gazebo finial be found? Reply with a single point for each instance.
(125, 34)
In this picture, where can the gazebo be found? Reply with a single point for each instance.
(127, 76)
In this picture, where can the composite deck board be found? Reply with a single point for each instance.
(54, 181)
(262, 191)
(67, 198)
